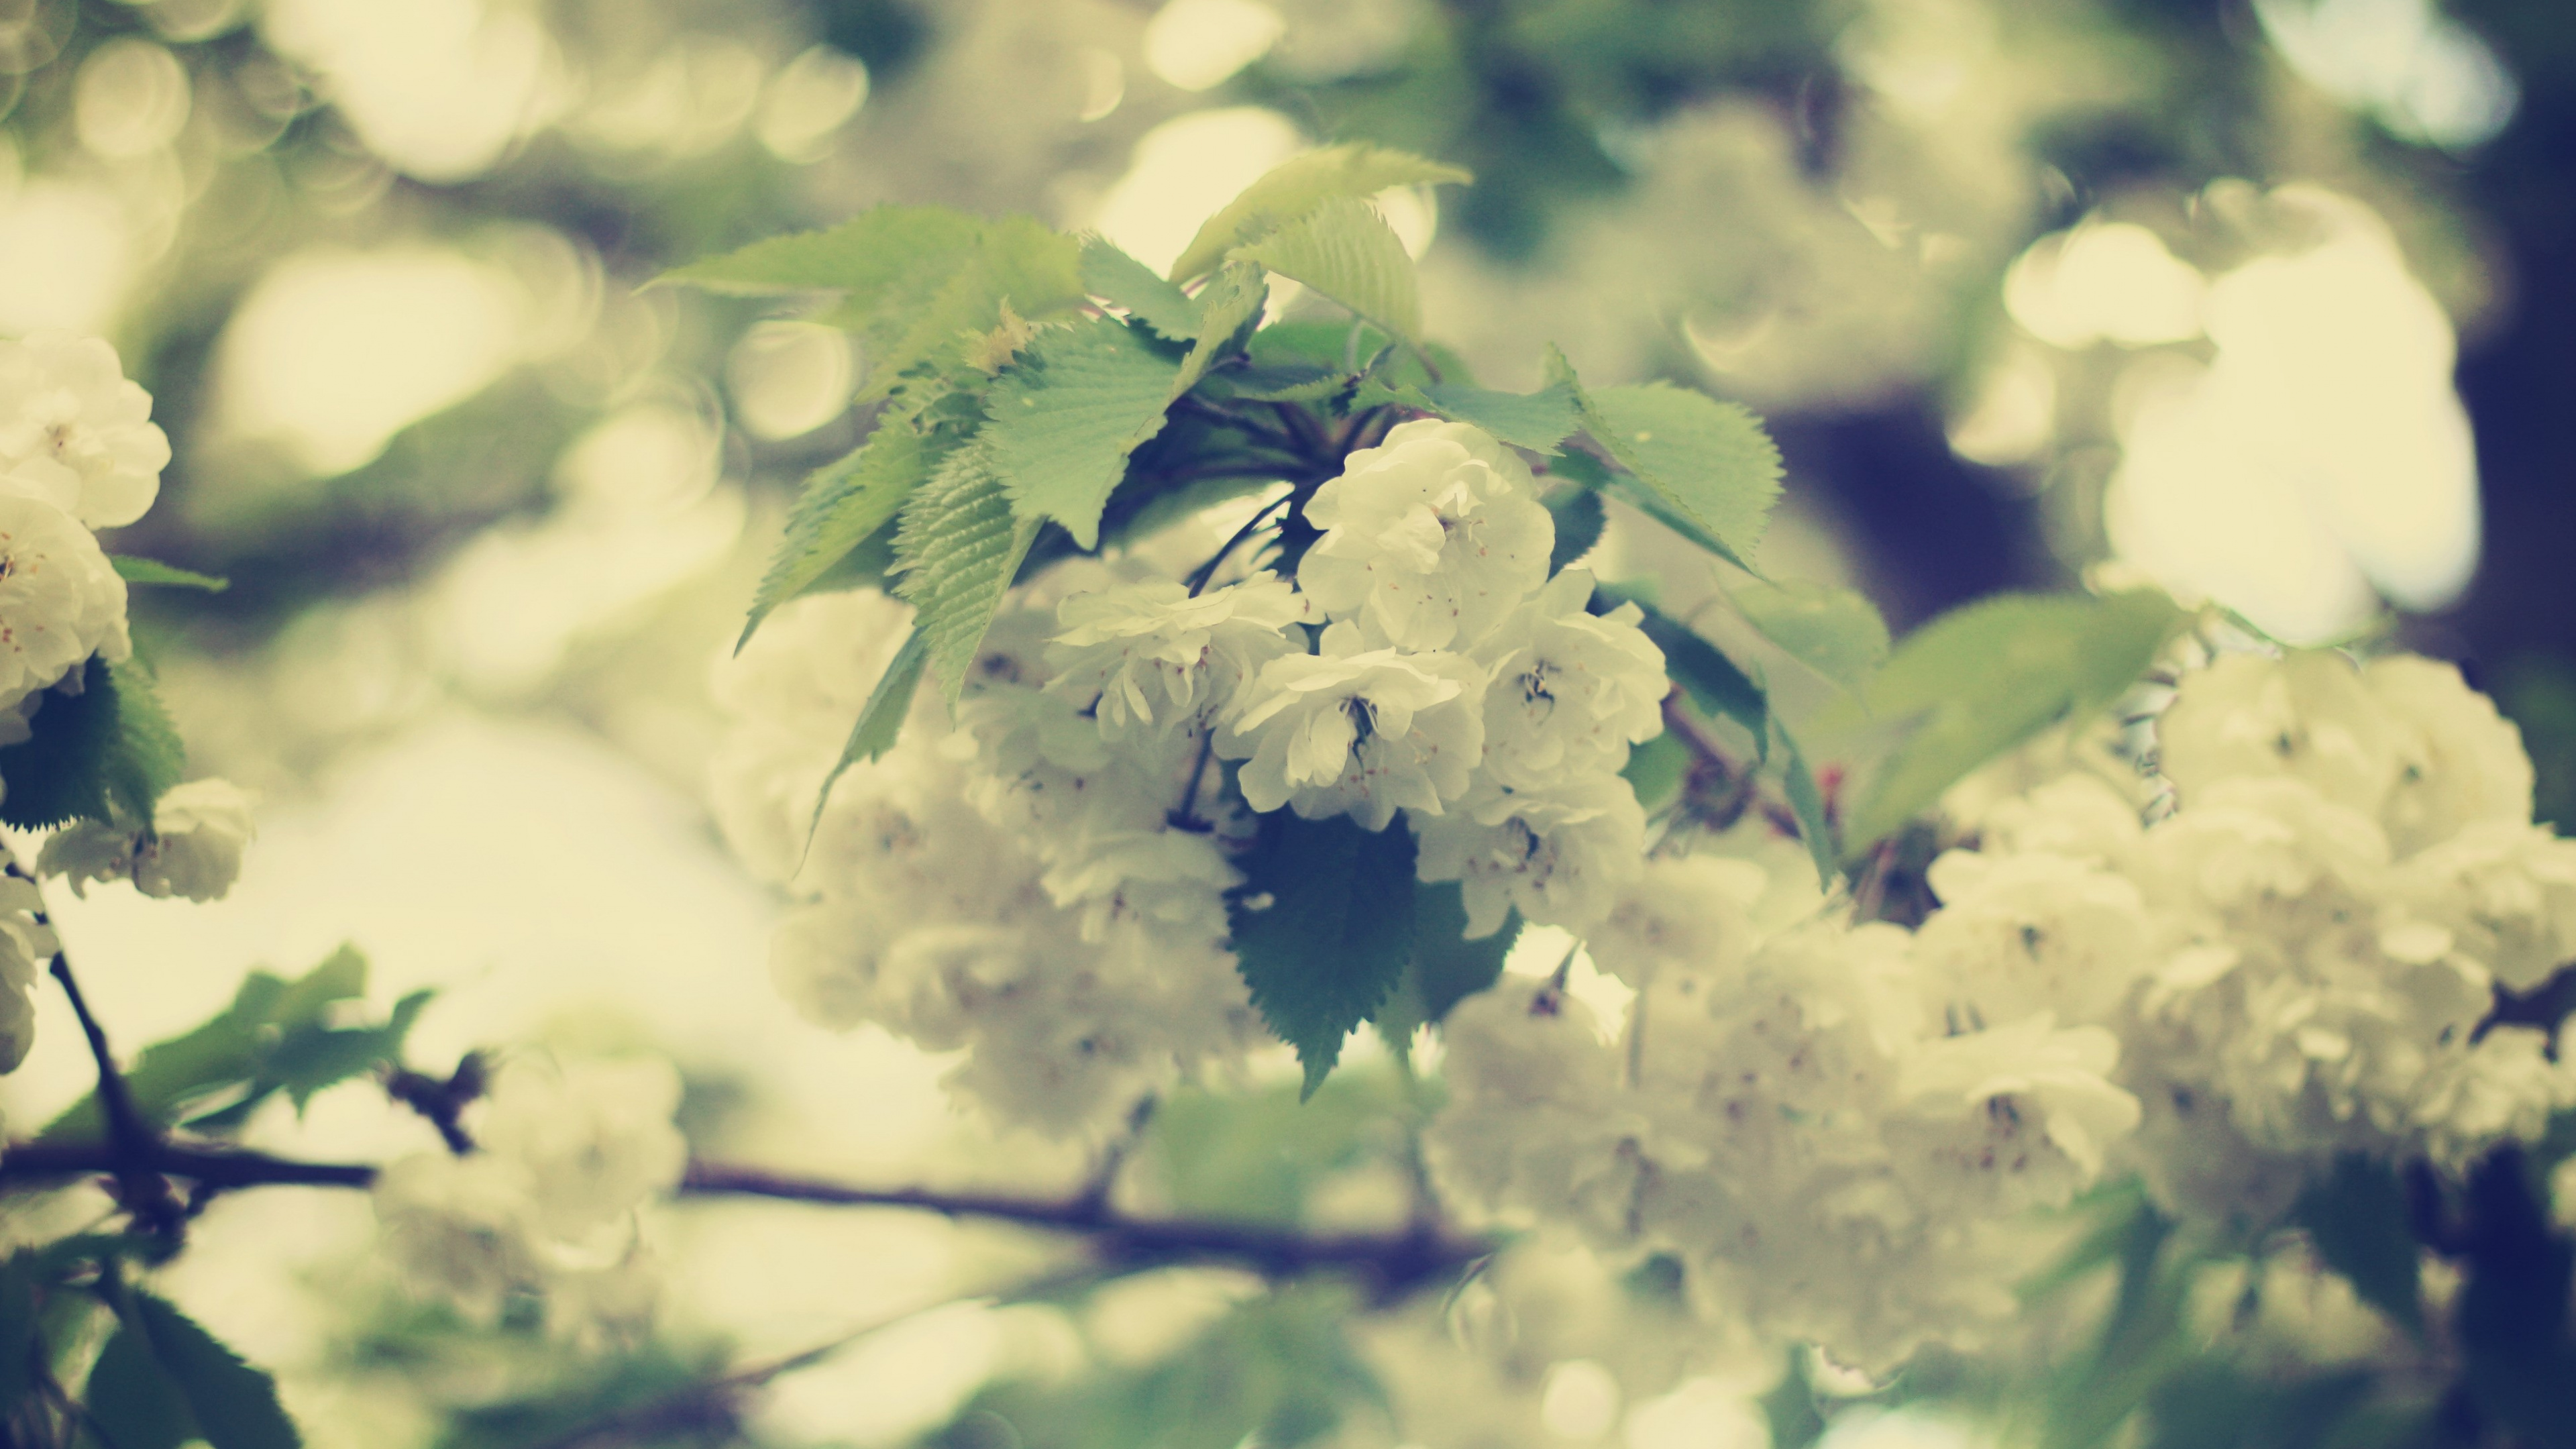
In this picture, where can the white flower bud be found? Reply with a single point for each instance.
(1430, 538)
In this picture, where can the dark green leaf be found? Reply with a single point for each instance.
(1298, 186)
(1537, 421)
(880, 719)
(220, 1399)
(1579, 519)
(1122, 281)
(1982, 679)
(844, 504)
(1345, 251)
(958, 547)
(1323, 924)
(1445, 967)
(106, 753)
(1066, 417)
(2358, 1220)
(18, 1341)
(147, 571)
(133, 1402)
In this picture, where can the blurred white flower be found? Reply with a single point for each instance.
(26, 945)
(195, 845)
(1560, 853)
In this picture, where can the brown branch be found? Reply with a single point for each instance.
(1394, 1263)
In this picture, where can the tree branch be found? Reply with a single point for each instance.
(1394, 1263)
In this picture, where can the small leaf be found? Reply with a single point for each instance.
(2358, 1220)
(148, 571)
(1233, 300)
(1122, 281)
(106, 753)
(1298, 186)
(1984, 678)
(1708, 462)
(1537, 421)
(844, 504)
(958, 547)
(1835, 632)
(1065, 419)
(1445, 967)
(1345, 250)
(880, 254)
(880, 719)
(1656, 769)
(1807, 802)
(170, 1358)
(1579, 520)
(1335, 932)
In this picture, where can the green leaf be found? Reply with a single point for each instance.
(1233, 300)
(1656, 769)
(1257, 1156)
(18, 1339)
(1346, 251)
(876, 256)
(844, 504)
(1579, 520)
(1122, 281)
(1016, 260)
(1986, 677)
(1067, 415)
(1708, 463)
(880, 719)
(1445, 967)
(1836, 632)
(957, 546)
(171, 1375)
(1537, 420)
(106, 753)
(1335, 933)
(2358, 1221)
(1298, 186)
(147, 571)
(1807, 802)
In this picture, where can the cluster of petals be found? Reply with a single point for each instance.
(193, 849)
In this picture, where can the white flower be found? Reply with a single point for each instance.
(75, 432)
(594, 1138)
(1571, 690)
(1362, 732)
(2507, 893)
(2306, 716)
(1156, 659)
(195, 846)
(26, 946)
(2026, 1108)
(1561, 854)
(1682, 913)
(2459, 763)
(1430, 538)
(461, 1228)
(2031, 932)
(1167, 880)
(87, 852)
(60, 599)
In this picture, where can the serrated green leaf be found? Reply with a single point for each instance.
(1335, 934)
(1232, 300)
(1708, 462)
(1984, 678)
(2358, 1221)
(1065, 418)
(844, 504)
(1344, 250)
(1836, 632)
(1016, 259)
(880, 719)
(958, 546)
(106, 753)
(171, 1363)
(1299, 185)
(150, 571)
(1537, 421)
(1807, 803)
(1579, 521)
(1445, 967)
(1122, 281)
(876, 256)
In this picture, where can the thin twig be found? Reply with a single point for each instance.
(1199, 578)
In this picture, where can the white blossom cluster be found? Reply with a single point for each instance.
(546, 1205)
(1043, 881)
(1837, 1129)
